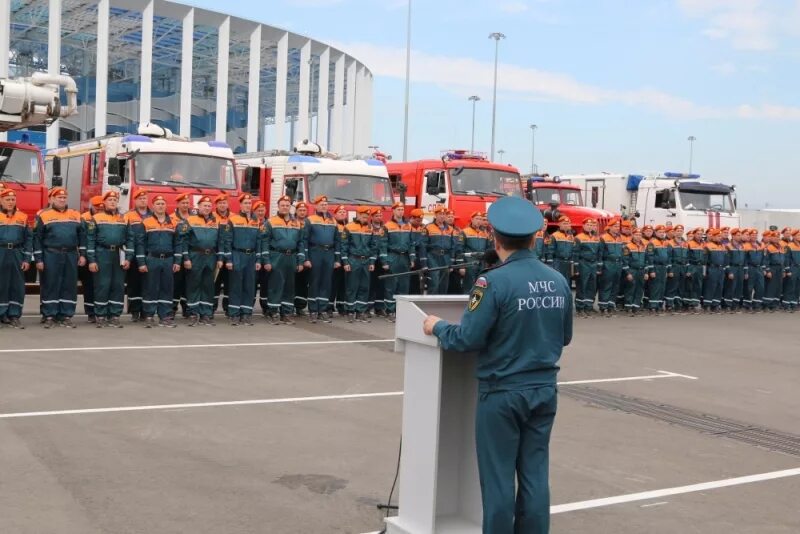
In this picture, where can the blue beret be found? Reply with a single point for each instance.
(515, 217)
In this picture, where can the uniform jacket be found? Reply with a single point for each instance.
(680, 252)
(587, 250)
(14, 231)
(322, 231)
(400, 239)
(775, 257)
(103, 231)
(716, 255)
(158, 239)
(438, 241)
(519, 318)
(696, 253)
(561, 247)
(475, 242)
(59, 230)
(661, 254)
(359, 242)
(204, 234)
(381, 243)
(283, 235)
(611, 249)
(245, 233)
(636, 257)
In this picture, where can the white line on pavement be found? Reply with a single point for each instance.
(646, 495)
(152, 407)
(203, 346)
(199, 405)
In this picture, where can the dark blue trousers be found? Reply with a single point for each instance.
(158, 287)
(59, 284)
(512, 431)
(319, 288)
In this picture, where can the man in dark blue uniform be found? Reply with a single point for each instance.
(519, 318)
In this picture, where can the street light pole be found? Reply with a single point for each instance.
(533, 148)
(408, 83)
(500, 153)
(474, 99)
(691, 140)
(496, 36)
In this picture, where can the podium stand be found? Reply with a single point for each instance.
(439, 486)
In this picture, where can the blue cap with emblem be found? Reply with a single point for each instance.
(515, 217)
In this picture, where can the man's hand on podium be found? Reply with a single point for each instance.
(430, 322)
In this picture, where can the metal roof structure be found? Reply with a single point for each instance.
(313, 73)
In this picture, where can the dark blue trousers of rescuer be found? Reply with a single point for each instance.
(243, 284)
(321, 282)
(59, 284)
(157, 287)
(512, 431)
(108, 284)
(12, 283)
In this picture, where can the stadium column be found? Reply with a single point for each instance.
(101, 77)
(337, 117)
(322, 97)
(253, 90)
(349, 132)
(187, 53)
(223, 47)
(282, 74)
(146, 85)
(368, 112)
(53, 62)
(5, 43)
(304, 92)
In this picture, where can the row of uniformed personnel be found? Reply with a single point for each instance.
(659, 268)
(188, 257)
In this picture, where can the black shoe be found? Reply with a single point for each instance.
(351, 317)
(285, 319)
(67, 323)
(247, 320)
(327, 317)
(167, 323)
(194, 321)
(207, 321)
(49, 322)
(391, 317)
(300, 313)
(100, 322)
(313, 318)
(114, 323)
(233, 321)
(363, 318)
(381, 313)
(14, 323)
(149, 322)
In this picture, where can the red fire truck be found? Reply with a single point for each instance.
(154, 159)
(27, 102)
(555, 198)
(461, 180)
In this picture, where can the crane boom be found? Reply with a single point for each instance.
(34, 101)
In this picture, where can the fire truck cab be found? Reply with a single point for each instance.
(22, 169)
(461, 180)
(555, 198)
(309, 171)
(668, 198)
(154, 159)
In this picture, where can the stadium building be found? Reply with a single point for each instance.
(200, 73)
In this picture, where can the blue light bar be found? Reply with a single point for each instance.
(682, 175)
(133, 138)
(218, 144)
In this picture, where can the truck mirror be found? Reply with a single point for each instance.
(56, 167)
(114, 177)
(432, 182)
(442, 188)
(402, 188)
(57, 181)
(251, 179)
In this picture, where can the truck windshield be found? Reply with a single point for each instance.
(695, 201)
(473, 181)
(190, 169)
(351, 188)
(21, 166)
(546, 195)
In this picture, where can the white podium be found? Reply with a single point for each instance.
(439, 486)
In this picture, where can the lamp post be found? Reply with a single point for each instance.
(500, 153)
(533, 148)
(691, 140)
(408, 82)
(496, 36)
(474, 99)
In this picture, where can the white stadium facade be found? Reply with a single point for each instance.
(202, 74)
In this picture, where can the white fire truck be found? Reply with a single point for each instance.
(310, 171)
(154, 159)
(671, 197)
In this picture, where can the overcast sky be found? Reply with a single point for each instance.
(613, 85)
